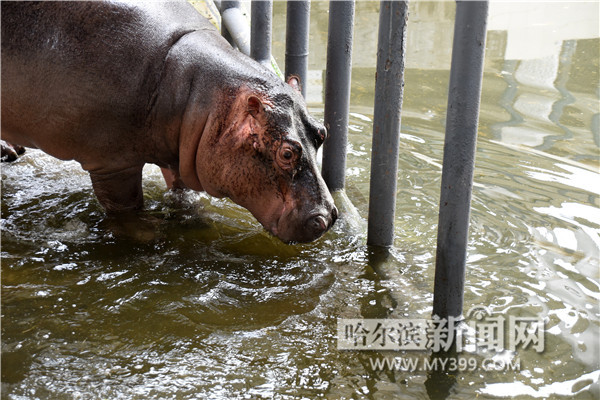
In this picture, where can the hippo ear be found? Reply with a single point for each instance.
(255, 106)
(294, 82)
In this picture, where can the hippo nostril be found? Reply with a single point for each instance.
(319, 223)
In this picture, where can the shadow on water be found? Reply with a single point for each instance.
(384, 264)
(440, 382)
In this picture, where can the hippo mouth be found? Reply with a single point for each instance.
(280, 225)
(272, 219)
(289, 223)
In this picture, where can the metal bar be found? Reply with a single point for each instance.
(389, 84)
(260, 42)
(296, 41)
(462, 117)
(224, 32)
(337, 91)
(236, 24)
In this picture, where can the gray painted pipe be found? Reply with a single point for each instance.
(462, 117)
(224, 32)
(296, 41)
(236, 24)
(260, 43)
(337, 91)
(389, 84)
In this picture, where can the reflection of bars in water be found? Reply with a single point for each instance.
(461, 121)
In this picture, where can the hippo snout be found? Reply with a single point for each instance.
(320, 222)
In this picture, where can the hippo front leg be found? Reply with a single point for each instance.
(121, 191)
(172, 179)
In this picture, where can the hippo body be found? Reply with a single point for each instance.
(116, 85)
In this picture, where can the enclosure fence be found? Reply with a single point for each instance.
(462, 115)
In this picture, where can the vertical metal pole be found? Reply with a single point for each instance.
(337, 91)
(260, 42)
(236, 24)
(462, 117)
(389, 84)
(224, 32)
(296, 41)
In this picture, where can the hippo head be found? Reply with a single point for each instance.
(263, 156)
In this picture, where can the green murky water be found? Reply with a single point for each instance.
(213, 307)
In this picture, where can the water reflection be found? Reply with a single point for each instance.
(213, 307)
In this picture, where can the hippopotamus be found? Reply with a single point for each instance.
(115, 85)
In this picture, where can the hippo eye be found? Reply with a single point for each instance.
(287, 155)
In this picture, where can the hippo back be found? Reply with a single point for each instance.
(104, 57)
